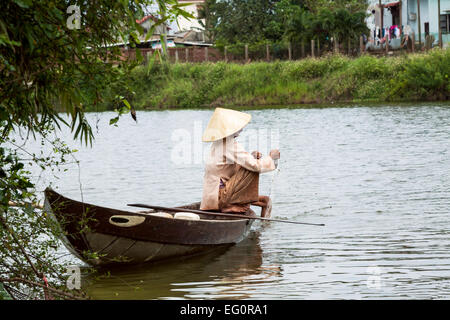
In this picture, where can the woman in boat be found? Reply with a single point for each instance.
(232, 174)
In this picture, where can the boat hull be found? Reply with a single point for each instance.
(103, 236)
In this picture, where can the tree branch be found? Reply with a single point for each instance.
(59, 292)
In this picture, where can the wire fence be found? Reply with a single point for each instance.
(245, 53)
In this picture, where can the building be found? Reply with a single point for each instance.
(154, 41)
(193, 7)
(183, 32)
(406, 15)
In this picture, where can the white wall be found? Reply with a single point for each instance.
(433, 14)
(185, 24)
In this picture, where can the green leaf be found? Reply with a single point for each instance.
(125, 101)
(113, 120)
(23, 3)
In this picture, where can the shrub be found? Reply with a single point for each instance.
(329, 78)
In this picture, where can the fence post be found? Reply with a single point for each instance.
(148, 56)
(267, 52)
(336, 45)
(428, 42)
(176, 55)
(290, 51)
(349, 49)
(225, 53)
(413, 41)
(318, 47)
(361, 45)
(246, 52)
(312, 48)
(303, 49)
(206, 53)
(186, 54)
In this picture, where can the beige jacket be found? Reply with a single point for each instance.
(224, 160)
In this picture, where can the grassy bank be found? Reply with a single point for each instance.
(419, 77)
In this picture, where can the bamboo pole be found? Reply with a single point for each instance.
(162, 9)
(246, 52)
(219, 214)
(312, 48)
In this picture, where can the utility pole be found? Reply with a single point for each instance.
(418, 22)
(381, 17)
(439, 23)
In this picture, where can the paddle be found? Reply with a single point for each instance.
(230, 215)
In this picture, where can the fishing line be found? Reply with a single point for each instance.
(274, 176)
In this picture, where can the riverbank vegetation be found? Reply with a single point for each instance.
(330, 79)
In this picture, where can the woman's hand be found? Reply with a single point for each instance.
(256, 154)
(275, 154)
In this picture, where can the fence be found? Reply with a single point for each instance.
(244, 53)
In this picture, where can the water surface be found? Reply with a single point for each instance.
(383, 170)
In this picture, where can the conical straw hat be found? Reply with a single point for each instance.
(225, 122)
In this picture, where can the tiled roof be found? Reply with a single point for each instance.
(150, 16)
(146, 18)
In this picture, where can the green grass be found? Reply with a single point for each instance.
(334, 78)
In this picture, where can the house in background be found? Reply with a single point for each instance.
(185, 32)
(406, 16)
(191, 31)
(154, 41)
(193, 7)
(174, 38)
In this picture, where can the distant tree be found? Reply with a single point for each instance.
(339, 23)
(351, 5)
(233, 21)
(238, 21)
(292, 21)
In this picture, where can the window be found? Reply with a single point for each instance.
(444, 23)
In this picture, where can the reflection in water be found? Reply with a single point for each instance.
(224, 273)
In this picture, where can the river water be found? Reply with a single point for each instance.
(377, 176)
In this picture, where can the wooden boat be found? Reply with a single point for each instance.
(102, 236)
